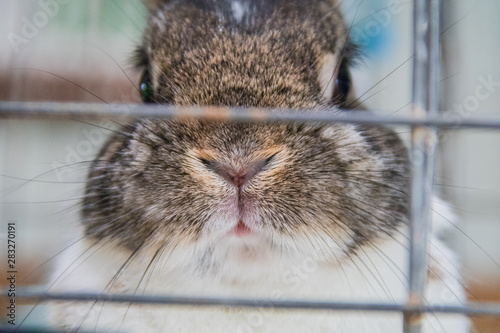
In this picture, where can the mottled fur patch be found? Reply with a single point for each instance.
(323, 181)
(203, 42)
(341, 184)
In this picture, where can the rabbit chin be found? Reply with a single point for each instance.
(234, 259)
(251, 257)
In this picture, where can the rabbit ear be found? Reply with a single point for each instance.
(154, 4)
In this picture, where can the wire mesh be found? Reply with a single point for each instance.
(424, 122)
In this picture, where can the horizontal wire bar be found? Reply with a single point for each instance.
(472, 309)
(89, 111)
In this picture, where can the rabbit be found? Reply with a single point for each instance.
(281, 210)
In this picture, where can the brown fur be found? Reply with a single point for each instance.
(273, 52)
(151, 181)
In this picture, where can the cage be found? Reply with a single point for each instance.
(77, 51)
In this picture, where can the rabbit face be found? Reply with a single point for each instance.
(318, 190)
(246, 189)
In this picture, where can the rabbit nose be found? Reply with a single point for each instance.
(237, 176)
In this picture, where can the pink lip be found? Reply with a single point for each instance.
(240, 230)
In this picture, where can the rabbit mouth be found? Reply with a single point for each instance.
(240, 230)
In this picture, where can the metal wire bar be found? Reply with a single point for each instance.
(423, 153)
(83, 111)
(472, 309)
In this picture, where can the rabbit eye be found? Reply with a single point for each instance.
(270, 159)
(146, 88)
(206, 162)
(342, 83)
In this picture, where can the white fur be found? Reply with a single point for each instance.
(327, 72)
(377, 274)
(238, 10)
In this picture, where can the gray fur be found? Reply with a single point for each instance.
(199, 54)
(150, 183)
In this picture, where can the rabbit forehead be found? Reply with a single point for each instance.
(183, 25)
(270, 58)
(240, 11)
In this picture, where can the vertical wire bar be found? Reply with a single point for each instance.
(424, 141)
(435, 60)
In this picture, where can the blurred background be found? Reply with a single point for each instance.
(80, 50)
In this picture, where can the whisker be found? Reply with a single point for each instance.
(380, 81)
(39, 181)
(470, 238)
(68, 165)
(387, 290)
(394, 266)
(51, 258)
(466, 188)
(133, 22)
(39, 202)
(115, 278)
(57, 280)
(120, 67)
(153, 259)
(461, 19)
(64, 79)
